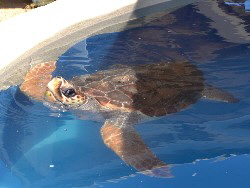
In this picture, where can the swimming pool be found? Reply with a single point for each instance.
(207, 144)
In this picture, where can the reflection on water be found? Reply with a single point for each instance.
(44, 148)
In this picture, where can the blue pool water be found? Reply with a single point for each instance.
(207, 145)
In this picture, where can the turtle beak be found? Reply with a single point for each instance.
(54, 88)
(49, 97)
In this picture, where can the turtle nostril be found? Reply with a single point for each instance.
(59, 77)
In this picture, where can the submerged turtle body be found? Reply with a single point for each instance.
(153, 90)
(125, 96)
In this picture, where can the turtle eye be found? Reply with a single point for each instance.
(69, 92)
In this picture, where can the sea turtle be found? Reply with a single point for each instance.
(125, 96)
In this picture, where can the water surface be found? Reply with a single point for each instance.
(208, 144)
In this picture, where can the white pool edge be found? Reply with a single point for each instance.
(21, 33)
(45, 33)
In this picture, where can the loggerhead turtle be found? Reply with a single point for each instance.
(124, 96)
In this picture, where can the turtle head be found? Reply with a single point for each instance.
(59, 91)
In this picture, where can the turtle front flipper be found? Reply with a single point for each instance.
(212, 93)
(129, 146)
(36, 80)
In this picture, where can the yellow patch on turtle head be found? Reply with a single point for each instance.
(62, 92)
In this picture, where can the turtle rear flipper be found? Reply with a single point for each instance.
(212, 93)
(128, 145)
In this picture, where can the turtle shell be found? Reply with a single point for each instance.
(153, 89)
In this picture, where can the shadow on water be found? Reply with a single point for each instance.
(44, 148)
